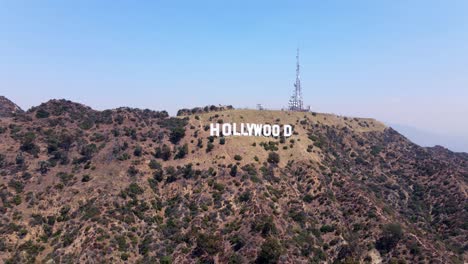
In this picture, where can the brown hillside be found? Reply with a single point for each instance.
(130, 185)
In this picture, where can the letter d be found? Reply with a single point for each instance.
(287, 130)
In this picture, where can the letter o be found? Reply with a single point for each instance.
(275, 130)
(227, 129)
(266, 130)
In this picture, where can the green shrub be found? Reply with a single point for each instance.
(144, 246)
(88, 151)
(270, 251)
(209, 147)
(273, 158)
(138, 151)
(158, 175)
(176, 134)
(391, 235)
(90, 211)
(17, 185)
(308, 198)
(327, 229)
(124, 156)
(28, 145)
(98, 137)
(44, 167)
(270, 146)
(86, 178)
(134, 189)
(187, 171)
(3, 161)
(121, 243)
(233, 171)
(41, 113)
(245, 196)
(238, 157)
(163, 152)
(165, 260)
(181, 152)
(88, 123)
(375, 150)
(124, 256)
(298, 215)
(132, 171)
(264, 225)
(207, 244)
(17, 199)
(154, 165)
(65, 177)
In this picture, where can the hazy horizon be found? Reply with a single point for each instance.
(399, 62)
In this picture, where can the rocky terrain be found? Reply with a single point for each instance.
(137, 186)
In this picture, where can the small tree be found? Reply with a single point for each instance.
(132, 171)
(233, 171)
(138, 151)
(86, 178)
(28, 145)
(163, 152)
(153, 164)
(207, 244)
(182, 151)
(391, 234)
(209, 147)
(88, 151)
(41, 113)
(273, 158)
(177, 134)
(270, 251)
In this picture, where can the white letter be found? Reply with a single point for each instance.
(243, 132)
(258, 130)
(227, 129)
(234, 130)
(266, 130)
(214, 131)
(275, 130)
(287, 130)
(250, 128)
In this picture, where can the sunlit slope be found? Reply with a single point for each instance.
(250, 147)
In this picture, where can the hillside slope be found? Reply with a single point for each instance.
(8, 108)
(79, 185)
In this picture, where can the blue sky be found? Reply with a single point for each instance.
(402, 62)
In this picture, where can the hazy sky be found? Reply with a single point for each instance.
(402, 62)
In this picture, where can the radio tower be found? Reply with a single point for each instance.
(295, 103)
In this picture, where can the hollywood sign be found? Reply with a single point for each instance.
(248, 129)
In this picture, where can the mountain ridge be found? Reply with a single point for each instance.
(137, 185)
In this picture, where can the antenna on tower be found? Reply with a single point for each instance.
(296, 103)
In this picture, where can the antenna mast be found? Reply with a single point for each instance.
(295, 103)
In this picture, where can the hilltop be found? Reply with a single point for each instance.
(131, 185)
(8, 108)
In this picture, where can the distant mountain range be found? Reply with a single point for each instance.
(429, 139)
